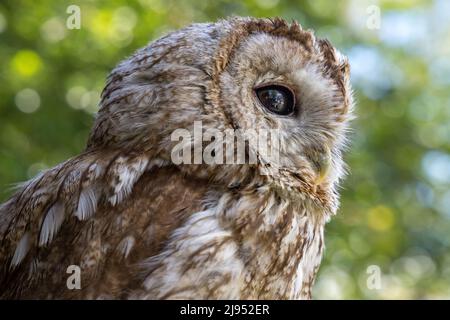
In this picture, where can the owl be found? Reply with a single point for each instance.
(123, 220)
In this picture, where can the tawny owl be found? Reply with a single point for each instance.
(139, 225)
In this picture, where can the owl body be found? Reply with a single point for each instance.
(138, 226)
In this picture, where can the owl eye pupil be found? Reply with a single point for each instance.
(277, 99)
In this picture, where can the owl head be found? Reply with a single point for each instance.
(244, 75)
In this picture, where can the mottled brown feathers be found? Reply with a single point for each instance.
(137, 226)
(163, 198)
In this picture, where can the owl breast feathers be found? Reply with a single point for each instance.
(137, 225)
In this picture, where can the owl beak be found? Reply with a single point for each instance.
(321, 162)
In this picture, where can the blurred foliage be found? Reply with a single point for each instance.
(395, 210)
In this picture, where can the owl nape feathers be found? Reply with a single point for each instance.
(136, 225)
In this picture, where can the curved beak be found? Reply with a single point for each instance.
(321, 162)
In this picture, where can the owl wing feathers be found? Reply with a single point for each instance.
(39, 207)
(96, 207)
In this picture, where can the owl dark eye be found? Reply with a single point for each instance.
(277, 99)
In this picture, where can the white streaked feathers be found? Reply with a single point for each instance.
(127, 175)
(87, 203)
(125, 246)
(127, 172)
(21, 250)
(51, 224)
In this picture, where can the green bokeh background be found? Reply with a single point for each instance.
(395, 211)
